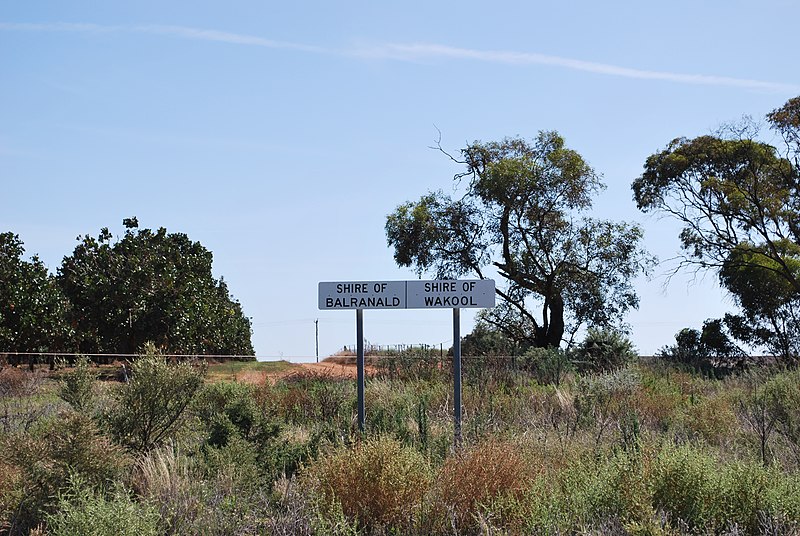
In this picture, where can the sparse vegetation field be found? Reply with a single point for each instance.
(640, 447)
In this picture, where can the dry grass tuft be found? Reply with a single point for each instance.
(166, 478)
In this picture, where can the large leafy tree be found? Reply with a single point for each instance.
(32, 307)
(525, 216)
(738, 199)
(151, 286)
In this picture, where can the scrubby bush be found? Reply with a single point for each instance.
(771, 407)
(710, 351)
(603, 400)
(227, 409)
(603, 350)
(148, 408)
(694, 489)
(77, 386)
(83, 511)
(472, 478)
(379, 483)
(304, 397)
(713, 419)
(549, 365)
(44, 461)
(169, 479)
(784, 396)
(684, 485)
(487, 340)
(20, 409)
(644, 449)
(585, 494)
(412, 364)
(221, 492)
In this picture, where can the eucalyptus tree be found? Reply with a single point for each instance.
(525, 216)
(738, 198)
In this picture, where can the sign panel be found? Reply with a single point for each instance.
(362, 295)
(439, 294)
(450, 294)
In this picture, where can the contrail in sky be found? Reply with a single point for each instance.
(429, 51)
(416, 52)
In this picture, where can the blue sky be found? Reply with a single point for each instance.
(280, 135)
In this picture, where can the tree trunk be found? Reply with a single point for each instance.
(555, 330)
(550, 336)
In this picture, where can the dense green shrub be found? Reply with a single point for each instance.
(150, 286)
(603, 350)
(235, 425)
(227, 409)
(684, 485)
(82, 511)
(33, 315)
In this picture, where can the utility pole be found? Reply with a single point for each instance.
(316, 329)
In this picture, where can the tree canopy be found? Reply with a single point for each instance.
(739, 201)
(32, 307)
(150, 286)
(524, 215)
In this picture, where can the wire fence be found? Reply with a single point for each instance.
(52, 358)
(420, 351)
(397, 348)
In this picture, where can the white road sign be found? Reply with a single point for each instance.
(450, 294)
(439, 294)
(362, 295)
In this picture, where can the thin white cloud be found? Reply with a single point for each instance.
(59, 27)
(418, 52)
(175, 31)
(227, 37)
(421, 51)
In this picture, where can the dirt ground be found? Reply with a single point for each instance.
(325, 368)
(328, 368)
(255, 373)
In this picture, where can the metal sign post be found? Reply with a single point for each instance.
(360, 365)
(457, 377)
(439, 294)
